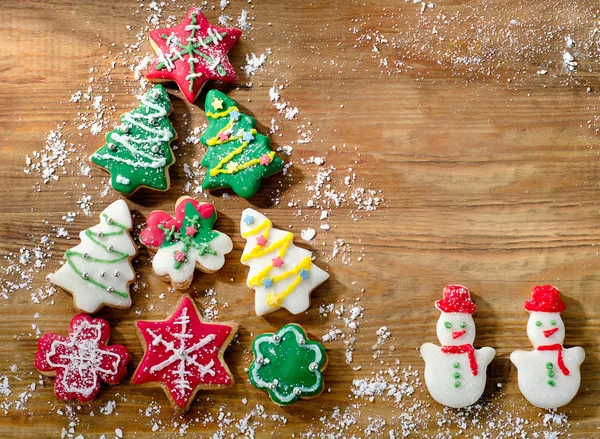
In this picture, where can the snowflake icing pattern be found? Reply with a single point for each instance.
(82, 360)
(185, 353)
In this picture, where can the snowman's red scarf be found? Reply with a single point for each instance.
(463, 349)
(559, 349)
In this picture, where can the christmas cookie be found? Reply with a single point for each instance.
(455, 373)
(186, 242)
(83, 360)
(237, 156)
(549, 375)
(98, 271)
(138, 152)
(192, 53)
(288, 365)
(282, 275)
(183, 354)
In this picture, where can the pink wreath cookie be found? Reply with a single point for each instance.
(82, 360)
(192, 53)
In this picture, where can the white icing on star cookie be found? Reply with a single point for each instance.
(98, 271)
(455, 373)
(282, 275)
(549, 375)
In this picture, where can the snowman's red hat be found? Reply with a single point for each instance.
(545, 298)
(456, 299)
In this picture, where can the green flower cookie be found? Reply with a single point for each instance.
(288, 365)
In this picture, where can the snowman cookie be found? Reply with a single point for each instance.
(455, 373)
(186, 242)
(549, 375)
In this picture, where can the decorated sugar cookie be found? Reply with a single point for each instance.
(98, 271)
(186, 242)
(237, 156)
(455, 373)
(282, 275)
(138, 152)
(288, 365)
(192, 53)
(549, 375)
(82, 360)
(183, 354)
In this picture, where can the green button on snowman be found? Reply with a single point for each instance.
(549, 375)
(455, 373)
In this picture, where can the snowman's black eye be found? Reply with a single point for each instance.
(463, 325)
(448, 325)
(553, 322)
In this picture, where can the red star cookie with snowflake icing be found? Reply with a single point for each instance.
(192, 53)
(183, 354)
(82, 360)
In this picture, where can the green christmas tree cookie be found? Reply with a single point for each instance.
(138, 152)
(238, 157)
(288, 365)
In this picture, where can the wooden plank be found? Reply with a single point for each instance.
(487, 182)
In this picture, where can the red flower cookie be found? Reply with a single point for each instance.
(192, 53)
(82, 360)
(183, 354)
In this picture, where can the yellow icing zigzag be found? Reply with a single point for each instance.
(222, 113)
(216, 141)
(274, 299)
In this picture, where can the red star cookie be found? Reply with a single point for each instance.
(183, 354)
(192, 53)
(82, 360)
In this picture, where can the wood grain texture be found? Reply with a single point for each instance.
(487, 182)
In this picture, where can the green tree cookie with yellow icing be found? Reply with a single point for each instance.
(237, 156)
(288, 365)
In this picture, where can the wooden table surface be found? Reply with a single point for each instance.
(460, 116)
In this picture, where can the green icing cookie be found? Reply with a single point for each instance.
(138, 152)
(288, 365)
(238, 157)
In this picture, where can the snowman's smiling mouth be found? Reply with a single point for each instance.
(457, 334)
(550, 332)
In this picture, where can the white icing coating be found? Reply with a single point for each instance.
(299, 299)
(534, 371)
(443, 370)
(85, 359)
(88, 296)
(182, 354)
(163, 262)
(122, 179)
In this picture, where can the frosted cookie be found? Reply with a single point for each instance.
(549, 375)
(281, 274)
(186, 242)
(98, 271)
(192, 53)
(455, 373)
(288, 365)
(138, 152)
(82, 360)
(237, 156)
(183, 354)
